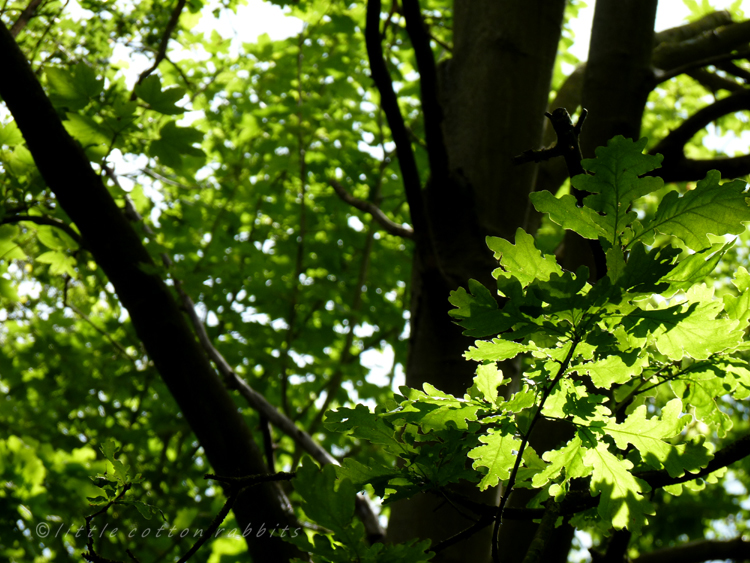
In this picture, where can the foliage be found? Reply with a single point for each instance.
(227, 151)
(595, 356)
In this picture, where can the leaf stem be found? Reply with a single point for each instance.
(525, 440)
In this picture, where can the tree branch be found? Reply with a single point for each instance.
(677, 168)
(389, 103)
(736, 549)
(431, 109)
(711, 43)
(25, 17)
(388, 225)
(256, 400)
(161, 53)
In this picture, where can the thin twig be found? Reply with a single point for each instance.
(388, 225)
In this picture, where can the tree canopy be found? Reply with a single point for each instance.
(201, 264)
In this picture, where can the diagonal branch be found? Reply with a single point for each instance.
(25, 17)
(388, 225)
(389, 102)
(677, 168)
(161, 53)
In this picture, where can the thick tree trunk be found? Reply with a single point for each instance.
(494, 93)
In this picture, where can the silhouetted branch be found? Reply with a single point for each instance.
(736, 549)
(433, 113)
(713, 82)
(677, 168)
(161, 53)
(25, 17)
(389, 103)
(377, 214)
(711, 43)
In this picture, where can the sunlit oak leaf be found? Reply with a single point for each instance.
(565, 212)
(621, 499)
(615, 183)
(524, 260)
(498, 454)
(648, 436)
(711, 207)
(568, 458)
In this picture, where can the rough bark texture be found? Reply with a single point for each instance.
(210, 411)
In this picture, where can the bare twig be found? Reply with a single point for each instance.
(388, 225)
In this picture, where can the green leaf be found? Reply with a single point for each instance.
(565, 212)
(691, 328)
(328, 501)
(738, 307)
(497, 455)
(174, 143)
(621, 499)
(477, 312)
(523, 260)
(73, 88)
(711, 207)
(160, 100)
(86, 131)
(569, 458)
(649, 435)
(59, 263)
(10, 134)
(614, 369)
(615, 182)
(495, 351)
(487, 380)
(694, 268)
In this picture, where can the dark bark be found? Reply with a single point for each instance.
(493, 94)
(207, 406)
